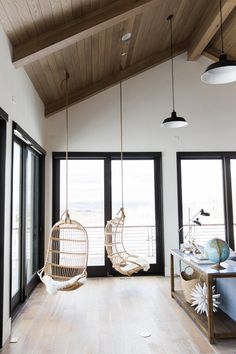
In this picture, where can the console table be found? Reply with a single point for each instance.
(217, 324)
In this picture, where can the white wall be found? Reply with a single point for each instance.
(23, 105)
(94, 125)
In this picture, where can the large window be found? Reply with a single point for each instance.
(16, 219)
(86, 198)
(233, 183)
(139, 202)
(32, 213)
(207, 181)
(27, 215)
(95, 197)
(3, 129)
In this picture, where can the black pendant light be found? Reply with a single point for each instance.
(174, 121)
(224, 71)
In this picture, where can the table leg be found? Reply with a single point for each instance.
(172, 279)
(210, 310)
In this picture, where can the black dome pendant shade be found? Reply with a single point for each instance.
(223, 71)
(174, 121)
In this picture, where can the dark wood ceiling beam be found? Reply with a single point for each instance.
(111, 80)
(213, 54)
(208, 26)
(78, 29)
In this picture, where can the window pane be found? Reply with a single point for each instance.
(139, 203)
(233, 182)
(32, 214)
(16, 214)
(86, 202)
(202, 188)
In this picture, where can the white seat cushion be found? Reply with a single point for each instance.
(139, 260)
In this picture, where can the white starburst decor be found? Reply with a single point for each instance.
(200, 300)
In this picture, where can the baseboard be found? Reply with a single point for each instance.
(6, 331)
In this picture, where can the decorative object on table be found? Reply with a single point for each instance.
(188, 282)
(189, 245)
(201, 261)
(217, 251)
(199, 252)
(200, 300)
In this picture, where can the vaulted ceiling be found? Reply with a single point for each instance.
(83, 37)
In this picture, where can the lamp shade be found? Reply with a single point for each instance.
(197, 222)
(222, 72)
(204, 213)
(174, 121)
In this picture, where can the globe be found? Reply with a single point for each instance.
(217, 250)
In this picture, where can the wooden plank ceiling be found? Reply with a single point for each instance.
(84, 38)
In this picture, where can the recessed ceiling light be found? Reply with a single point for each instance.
(126, 37)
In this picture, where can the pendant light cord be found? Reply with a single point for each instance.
(172, 62)
(221, 28)
(67, 138)
(121, 147)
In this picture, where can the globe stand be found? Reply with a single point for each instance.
(217, 266)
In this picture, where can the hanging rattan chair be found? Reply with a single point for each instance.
(122, 261)
(67, 255)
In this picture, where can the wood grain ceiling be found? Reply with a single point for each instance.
(84, 37)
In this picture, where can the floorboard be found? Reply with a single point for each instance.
(106, 316)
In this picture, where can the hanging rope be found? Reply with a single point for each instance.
(121, 147)
(65, 81)
(67, 139)
(221, 29)
(172, 62)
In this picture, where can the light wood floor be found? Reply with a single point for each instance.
(106, 316)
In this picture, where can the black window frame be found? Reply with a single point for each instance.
(3, 141)
(20, 136)
(158, 269)
(225, 157)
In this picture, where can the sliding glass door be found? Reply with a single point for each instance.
(27, 219)
(233, 184)
(95, 197)
(3, 135)
(16, 222)
(207, 180)
(32, 213)
(86, 201)
(139, 203)
(202, 188)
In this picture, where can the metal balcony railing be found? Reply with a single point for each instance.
(203, 233)
(138, 240)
